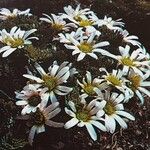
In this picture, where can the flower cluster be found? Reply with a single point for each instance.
(102, 91)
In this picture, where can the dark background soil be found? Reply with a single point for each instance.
(136, 15)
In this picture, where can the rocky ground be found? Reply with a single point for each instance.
(136, 15)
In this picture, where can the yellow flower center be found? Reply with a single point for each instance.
(89, 89)
(110, 108)
(77, 18)
(57, 26)
(37, 118)
(50, 82)
(83, 115)
(85, 47)
(114, 80)
(135, 82)
(34, 100)
(127, 61)
(86, 22)
(11, 16)
(14, 43)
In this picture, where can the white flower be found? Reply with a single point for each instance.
(138, 84)
(86, 46)
(117, 80)
(75, 14)
(16, 39)
(42, 117)
(6, 13)
(57, 22)
(31, 97)
(130, 38)
(109, 22)
(134, 61)
(91, 87)
(81, 17)
(51, 81)
(65, 38)
(84, 117)
(113, 109)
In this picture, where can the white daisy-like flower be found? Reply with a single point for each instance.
(14, 40)
(57, 22)
(109, 22)
(86, 46)
(81, 17)
(130, 38)
(135, 61)
(42, 117)
(113, 110)
(139, 83)
(91, 87)
(145, 55)
(6, 13)
(117, 80)
(65, 38)
(31, 97)
(85, 116)
(51, 82)
(75, 14)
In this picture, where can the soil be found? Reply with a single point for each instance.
(136, 137)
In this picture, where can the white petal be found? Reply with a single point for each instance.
(145, 91)
(51, 107)
(72, 106)
(54, 113)
(54, 70)
(91, 131)
(98, 125)
(119, 107)
(52, 97)
(81, 56)
(40, 69)
(8, 52)
(21, 102)
(54, 124)
(71, 123)
(64, 89)
(31, 77)
(62, 72)
(140, 96)
(40, 129)
(69, 112)
(121, 122)
(145, 83)
(125, 114)
(119, 99)
(45, 98)
(93, 55)
(64, 78)
(110, 123)
(31, 134)
(5, 48)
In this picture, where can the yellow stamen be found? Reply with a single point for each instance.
(83, 115)
(85, 47)
(16, 42)
(84, 23)
(127, 61)
(89, 89)
(50, 82)
(57, 26)
(110, 108)
(135, 82)
(114, 80)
